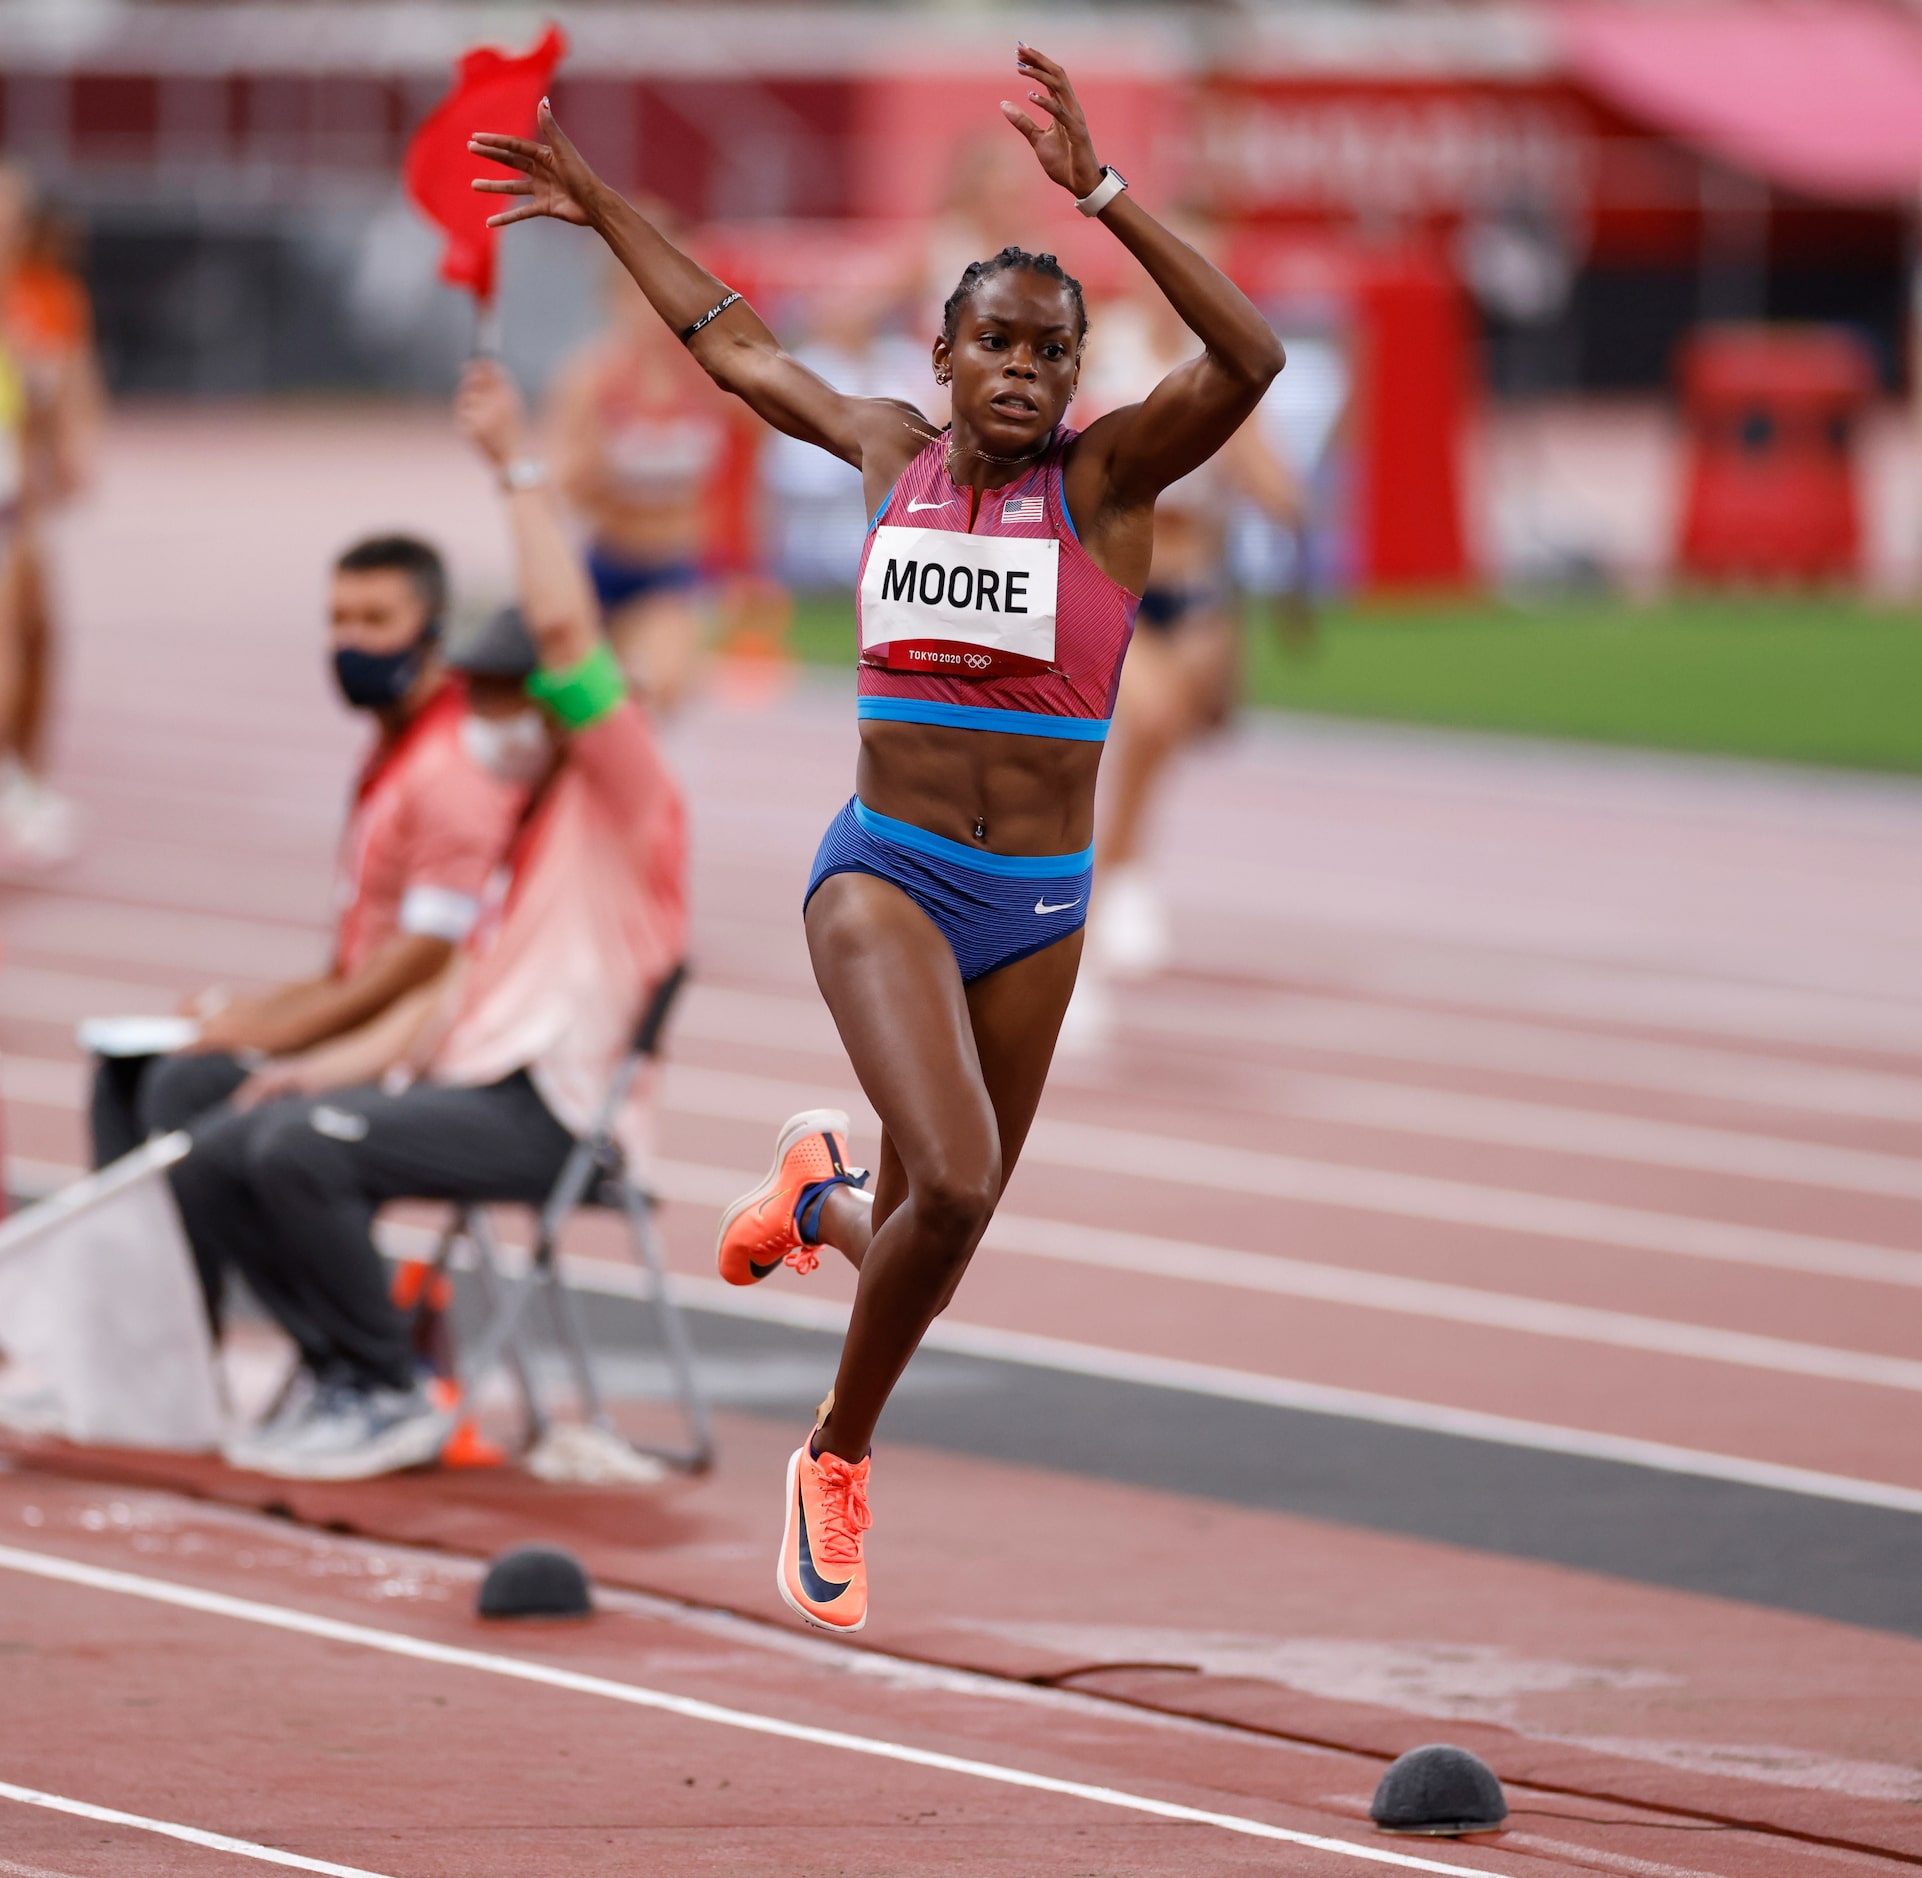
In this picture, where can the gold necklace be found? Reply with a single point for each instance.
(998, 462)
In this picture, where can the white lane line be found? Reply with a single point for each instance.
(1403, 1108)
(1343, 1028)
(1594, 1134)
(1180, 1259)
(167, 1829)
(1094, 1148)
(1119, 1151)
(1187, 1260)
(42, 996)
(636, 1695)
(1357, 1027)
(694, 1184)
(1529, 984)
(991, 1343)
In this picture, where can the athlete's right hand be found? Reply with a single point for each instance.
(489, 409)
(554, 177)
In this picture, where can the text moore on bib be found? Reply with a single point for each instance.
(965, 606)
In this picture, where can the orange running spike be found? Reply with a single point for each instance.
(822, 1572)
(758, 1232)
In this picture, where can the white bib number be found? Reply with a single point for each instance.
(964, 606)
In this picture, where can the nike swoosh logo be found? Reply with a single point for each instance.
(821, 1590)
(761, 1271)
(915, 507)
(1041, 906)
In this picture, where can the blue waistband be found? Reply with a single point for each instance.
(981, 717)
(956, 854)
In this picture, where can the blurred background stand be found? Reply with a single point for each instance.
(1589, 182)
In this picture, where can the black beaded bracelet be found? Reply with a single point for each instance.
(713, 313)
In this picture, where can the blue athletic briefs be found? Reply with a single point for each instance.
(991, 908)
(619, 580)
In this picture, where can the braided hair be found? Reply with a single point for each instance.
(1009, 261)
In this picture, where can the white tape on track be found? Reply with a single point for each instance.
(167, 1829)
(635, 1695)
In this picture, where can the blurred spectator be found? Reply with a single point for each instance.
(992, 198)
(475, 1087)
(428, 828)
(821, 518)
(878, 346)
(51, 404)
(1182, 669)
(639, 436)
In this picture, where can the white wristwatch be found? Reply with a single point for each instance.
(1112, 183)
(525, 472)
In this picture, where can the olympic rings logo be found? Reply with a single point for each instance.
(977, 661)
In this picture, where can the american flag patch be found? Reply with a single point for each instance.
(1020, 509)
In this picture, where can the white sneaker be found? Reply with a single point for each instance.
(36, 822)
(580, 1454)
(1128, 927)
(298, 1402)
(356, 1433)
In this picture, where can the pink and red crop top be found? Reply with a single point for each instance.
(1005, 625)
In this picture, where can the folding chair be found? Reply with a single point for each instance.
(596, 1175)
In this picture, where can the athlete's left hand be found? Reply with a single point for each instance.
(1064, 147)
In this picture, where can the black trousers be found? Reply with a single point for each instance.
(135, 1097)
(286, 1194)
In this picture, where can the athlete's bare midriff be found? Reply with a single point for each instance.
(1187, 549)
(647, 532)
(1028, 795)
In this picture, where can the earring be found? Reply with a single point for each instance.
(941, 378)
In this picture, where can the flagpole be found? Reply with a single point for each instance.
(487, 329)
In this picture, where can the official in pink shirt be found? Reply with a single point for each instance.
(474, 1088)
(427, 828)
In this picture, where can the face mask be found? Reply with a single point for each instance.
(515, 749)
(373, 681)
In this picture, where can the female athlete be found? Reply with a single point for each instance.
(998, 590)
(638, 437)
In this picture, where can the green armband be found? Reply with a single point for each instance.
(584, 693)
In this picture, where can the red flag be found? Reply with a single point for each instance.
(493, 90)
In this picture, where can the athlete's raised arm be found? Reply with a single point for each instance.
(725, 334)
(1128, 457)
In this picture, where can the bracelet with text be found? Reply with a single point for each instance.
(713, 313)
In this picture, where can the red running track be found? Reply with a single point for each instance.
(1550, 1085)
(330, 1704)
(1535, 1084)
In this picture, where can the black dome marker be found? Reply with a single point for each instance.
(536, 1581)
(1441, 1791)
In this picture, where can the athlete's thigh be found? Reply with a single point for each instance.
(658, 641)
(895, 993)
(1207, 661)
(1146, 673)
(1016, 1013)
